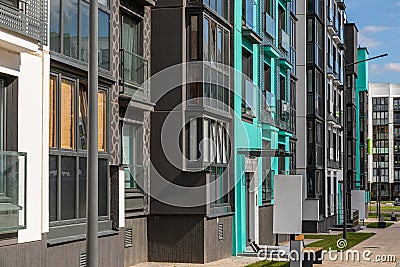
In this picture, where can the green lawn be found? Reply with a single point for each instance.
(385, 208)
(269, 264)
(329, 241)
(386, 216)
(375, 225)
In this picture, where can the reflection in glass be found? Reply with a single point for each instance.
(104, 40)
(53, 175)
(55, 36)
(70, 28)
(68, 182)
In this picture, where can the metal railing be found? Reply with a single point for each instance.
(12, 191)
(28, 18)
(284, 40)
(134, 74)
(270, 24)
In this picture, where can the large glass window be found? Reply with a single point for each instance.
(69, 30)
(67, 161)
(220, 6)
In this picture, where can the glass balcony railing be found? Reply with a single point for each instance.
(12, 191)
(135, 178)
(270, 28)
(284, 40)
(249, 98)
(25, 17)
(134, 74)
(249, 14)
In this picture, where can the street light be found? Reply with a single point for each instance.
(345, 185)
(92, 247)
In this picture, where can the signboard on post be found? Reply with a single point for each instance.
(358, 202)
(288, 201)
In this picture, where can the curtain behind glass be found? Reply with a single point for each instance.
(131, 44)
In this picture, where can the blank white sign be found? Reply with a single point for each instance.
(288, 207)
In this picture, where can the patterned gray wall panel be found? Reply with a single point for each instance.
(114, 129)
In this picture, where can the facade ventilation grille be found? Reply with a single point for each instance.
(220, 231)
(82, 260)
(128, 238)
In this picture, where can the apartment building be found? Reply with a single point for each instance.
(362, 136)
(320, 47)
(383, 129)
(191, 205)
(264, 125)
(356, 89)
(24, 72)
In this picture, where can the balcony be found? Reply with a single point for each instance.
(12, 191)
(249, 22)
(292, 58)
(284, 40)
(270, 24)
(26, 18)
(249, 99)
(341, 4)
(134, 73)
(134, 177)
(267, 114)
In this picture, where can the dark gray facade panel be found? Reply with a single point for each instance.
(215, 247)
(351, 52)
(137, 253)
(176, 238)
(38, 254)
(266, 235)
(319, 226)
(170, 3)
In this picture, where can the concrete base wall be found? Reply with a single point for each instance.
(138, 252)
(188, 238)
(266, 227)
(215, 248)
(319, 226)
(38, 254)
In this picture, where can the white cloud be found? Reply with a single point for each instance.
(377, 28)
(392, 67)
(367, 42)
(398, 4)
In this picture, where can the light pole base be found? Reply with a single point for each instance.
(381, 224)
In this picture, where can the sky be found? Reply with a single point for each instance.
(378, 22)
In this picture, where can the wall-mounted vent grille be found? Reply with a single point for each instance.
(220, 231)
(128, 238)
(82, 260)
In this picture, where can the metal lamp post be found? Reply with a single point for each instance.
(92, 160)
(345, 178)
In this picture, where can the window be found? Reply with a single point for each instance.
(132, 154)
(68, 149)
(70, 39)
(220, 6)
(267, 175)
(219, 185)
(249, 90)
(268, 7)
(269, 98)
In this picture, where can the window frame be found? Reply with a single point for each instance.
(77, 153)
(79, 60)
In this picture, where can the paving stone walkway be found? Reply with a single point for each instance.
(384, 244)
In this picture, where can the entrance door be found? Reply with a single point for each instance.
(250, 208)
